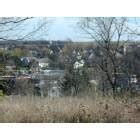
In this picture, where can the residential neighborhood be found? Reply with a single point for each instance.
(54, 76)
(38, 64)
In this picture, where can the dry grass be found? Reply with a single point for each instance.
(68, 109)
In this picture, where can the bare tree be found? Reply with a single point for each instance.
(76, 77)
(19, 28)
(107, 33)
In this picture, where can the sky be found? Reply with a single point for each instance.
(64, 28)
(58, 28)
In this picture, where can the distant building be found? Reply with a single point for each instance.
(10, 68)
(78, 64)
(26, 60)
(43, 63)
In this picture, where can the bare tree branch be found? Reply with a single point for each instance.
(106, 33)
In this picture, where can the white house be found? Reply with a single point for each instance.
(78, 64)
(43, 63)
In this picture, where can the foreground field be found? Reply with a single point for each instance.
(69, 109)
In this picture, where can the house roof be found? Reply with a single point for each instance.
(43, 60)
(29, 58)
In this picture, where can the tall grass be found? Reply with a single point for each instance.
(68, 110)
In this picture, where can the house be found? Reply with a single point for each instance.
(78, 64)
(43, 63)
(124, 81)
(25, 61)
(125, 49)
(10, 67)
(10, 64)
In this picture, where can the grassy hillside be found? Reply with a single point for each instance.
(69, 109)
